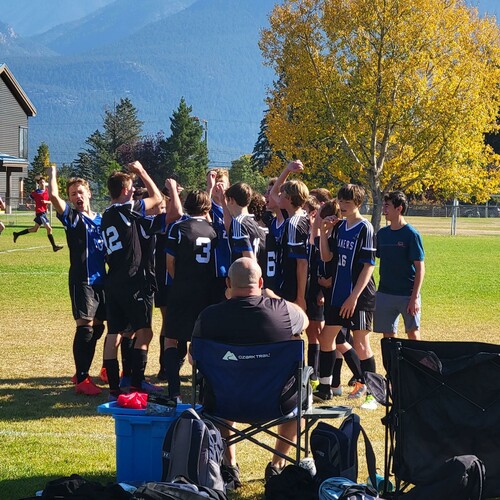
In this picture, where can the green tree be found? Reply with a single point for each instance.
(107, 150)
(242, 170)
(40, 162)
(388, 93)
(262, 150)
(185, 151)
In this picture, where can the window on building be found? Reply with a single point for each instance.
(23, 142)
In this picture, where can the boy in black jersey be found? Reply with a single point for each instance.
(190, 262)
(128, 301)
(292, 196)
(86, 273)
(246, 238)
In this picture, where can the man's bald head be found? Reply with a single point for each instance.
(245, 273)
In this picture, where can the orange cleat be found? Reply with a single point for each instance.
(103, 375)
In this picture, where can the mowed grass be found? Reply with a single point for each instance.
(47, 431)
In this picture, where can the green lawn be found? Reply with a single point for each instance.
(47, 431)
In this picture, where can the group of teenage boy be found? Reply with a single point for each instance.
(150, 249)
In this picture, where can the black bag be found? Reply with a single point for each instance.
(335, 451)
(179, 489)
(193, 448)
(459, 478)
(294, 483)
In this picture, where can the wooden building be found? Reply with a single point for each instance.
(15, 109)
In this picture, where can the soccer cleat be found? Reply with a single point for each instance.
(231, 476)
(337, 391)
(358, 391)
(103, 375)
(272, 470)
(87, 387)
(56, 248)
(352, 381)
(125, 382)
(321, 396)
(370, 403)
(314, 383)
(147, 387)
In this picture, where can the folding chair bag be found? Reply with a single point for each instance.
(445, 403)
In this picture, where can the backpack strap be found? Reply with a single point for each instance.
(371, 461)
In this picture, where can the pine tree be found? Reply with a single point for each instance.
(186, 153)
(262, 151)
(40, 162)
(107, 150)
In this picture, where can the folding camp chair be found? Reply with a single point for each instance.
(256, 385)
(443, 400)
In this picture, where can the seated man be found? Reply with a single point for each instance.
(250, 318)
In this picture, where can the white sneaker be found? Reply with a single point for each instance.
(370, 403)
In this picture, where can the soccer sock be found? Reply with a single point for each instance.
(51, 239)
(326, 364)
(352, 360)
(337, 368)
(368, 365)
(113, 372)
(313, 358)
(162, 353)
(98, 331)
(182, 349)
(83, 336)
(126, 349)
(172, 371)
(139, 362)
(20, 233)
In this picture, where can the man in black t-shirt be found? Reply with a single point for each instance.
(127, 297)
(248, 318)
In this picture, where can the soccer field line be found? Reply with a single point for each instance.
(23, 249)
(68, 435)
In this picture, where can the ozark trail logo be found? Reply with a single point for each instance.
(229, 356)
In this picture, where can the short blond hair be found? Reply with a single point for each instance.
(297, 191)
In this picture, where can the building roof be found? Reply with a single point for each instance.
(16, 90)
(12, 160)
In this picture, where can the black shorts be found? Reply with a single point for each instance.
(87, 301)
(360, 320)
(41, 219)
(161, 295)
(126, 304)
(182, 314)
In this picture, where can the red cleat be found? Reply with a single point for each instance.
(103, 375)
(87, 387)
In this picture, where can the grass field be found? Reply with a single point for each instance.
(47, 431)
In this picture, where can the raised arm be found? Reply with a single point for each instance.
(293, 166)
(174, 211)
(57, 202)
(155, 196)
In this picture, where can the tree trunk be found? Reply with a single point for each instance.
(377, 209)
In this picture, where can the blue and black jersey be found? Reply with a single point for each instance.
(352, 247)
(86, 246)
(246, 236)
(222, 252)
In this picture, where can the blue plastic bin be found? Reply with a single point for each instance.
(139, 442)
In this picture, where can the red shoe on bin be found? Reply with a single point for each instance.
(87, 387)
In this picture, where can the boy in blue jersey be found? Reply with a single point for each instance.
(402, 269)
(349, 242)
(86, 273)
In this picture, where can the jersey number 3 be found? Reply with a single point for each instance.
(203, 247)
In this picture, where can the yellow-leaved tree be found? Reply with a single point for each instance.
(392, 94)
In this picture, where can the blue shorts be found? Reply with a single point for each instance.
(41, 219)
(388, 308)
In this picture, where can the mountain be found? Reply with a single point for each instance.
(152, 51)
(206, 53)
(109, 24)
(30, 17)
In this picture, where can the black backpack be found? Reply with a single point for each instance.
(294, 483)
(335, 451)
(193, 448)
(460, 478)
(179, 489)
